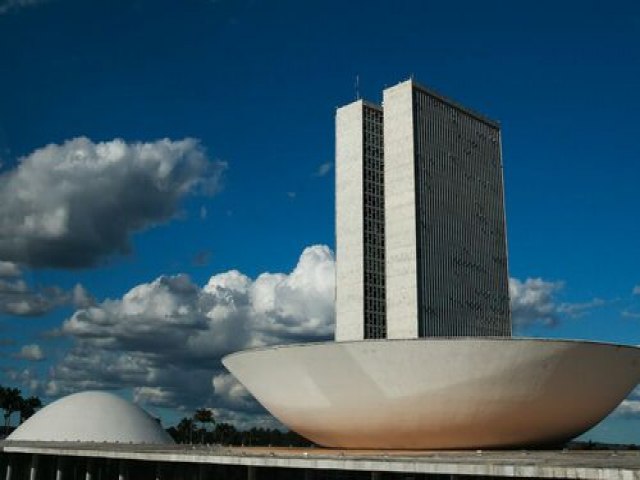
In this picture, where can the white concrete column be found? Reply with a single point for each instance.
(33, 469)
(7, 475)
(59, 468)
(122, 470)
(251, 473)
(87, 470)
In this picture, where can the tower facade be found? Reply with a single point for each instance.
(360, 275)
(444, 241)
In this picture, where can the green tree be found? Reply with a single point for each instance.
(28, 407)
(225, 432)
(10, 400)
(184, 430)
(204, 416)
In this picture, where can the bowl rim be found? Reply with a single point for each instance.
(432, 339)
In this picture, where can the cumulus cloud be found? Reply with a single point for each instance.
(73, 204)
(532, 301)
(9, 5)
(233, 395)
(31, 352)
(245, 420)
(630, 407)
(164, 339)
(576, 310)
(19, 299)
(323, 169)
(81, 298)
(9, 269)
(27, 377)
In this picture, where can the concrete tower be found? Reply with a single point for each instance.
(360, 278)
(446, 251)
(420, 222)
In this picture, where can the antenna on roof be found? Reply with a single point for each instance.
(357, 86)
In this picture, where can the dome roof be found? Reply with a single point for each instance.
(92, 417)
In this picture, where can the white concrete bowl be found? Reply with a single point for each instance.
(439, 393)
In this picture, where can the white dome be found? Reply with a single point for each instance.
(92, 417)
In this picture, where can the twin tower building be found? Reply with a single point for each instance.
(420, 220)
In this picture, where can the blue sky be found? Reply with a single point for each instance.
(252, 86)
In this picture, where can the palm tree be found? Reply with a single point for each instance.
(185, 430)
(225, 431)
(28, 407)
(10, 400)
(204, 416)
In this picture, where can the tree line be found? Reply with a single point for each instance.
(12, 401)
(202, 428)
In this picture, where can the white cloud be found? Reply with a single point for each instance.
(153, 396)
(9, 269)
(81, 298)
(27, 377)
(245, 420)
(576, 310)
(57, 207)
(164, 339)
(631, 406)
(636, 290)
(532, 301)
(323, 169)
(9, 5)
(31, 352)
(17, 298)
(231, 393)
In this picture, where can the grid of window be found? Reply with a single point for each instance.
(461, 240)
(375, 325)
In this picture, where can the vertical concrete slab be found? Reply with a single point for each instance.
(349, 223)
(400, 212)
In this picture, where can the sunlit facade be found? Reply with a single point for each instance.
(420, 220)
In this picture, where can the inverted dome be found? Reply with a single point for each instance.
(92, 417)
(439, 393)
